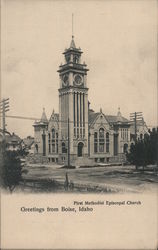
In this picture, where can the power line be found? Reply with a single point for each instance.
(23, 117)
(65, 121)
(135, 117)
(4, 107)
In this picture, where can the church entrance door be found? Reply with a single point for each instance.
(80, 149)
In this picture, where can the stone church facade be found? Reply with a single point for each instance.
(78, 135)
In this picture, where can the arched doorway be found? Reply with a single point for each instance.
(36, 147)
(80, 149)
(125, 148)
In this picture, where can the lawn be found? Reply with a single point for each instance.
(115, 177)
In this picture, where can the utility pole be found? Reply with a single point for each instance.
(68, 150)
(4, 107)
(134, 117)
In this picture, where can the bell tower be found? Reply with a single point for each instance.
(73, 104)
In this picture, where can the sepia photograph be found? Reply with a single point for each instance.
(79, 115)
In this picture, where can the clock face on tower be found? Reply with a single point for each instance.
(65, 80)
(78, 80)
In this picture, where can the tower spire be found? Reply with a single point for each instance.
(72, 25)
(44, 117)
(119, 115)
(72, 45)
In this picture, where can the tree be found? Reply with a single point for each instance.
(136, 154)
(153, 146)
(11, 169)
(145, 151)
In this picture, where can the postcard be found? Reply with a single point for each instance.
(79, 124)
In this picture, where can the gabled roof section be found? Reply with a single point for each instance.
(54, 116)
(111, 119)
(93, 116)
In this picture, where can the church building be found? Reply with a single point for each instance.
(78, 135)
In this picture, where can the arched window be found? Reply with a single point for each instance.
(64, 149)
(57, 142)
(53, 133)
(49, 145)
(54, 141)
(80, 149)
(107, 142)
(75, 59)
(53, 148)
(95, 142)
(101, 140)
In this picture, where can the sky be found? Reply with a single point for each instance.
(119, 44)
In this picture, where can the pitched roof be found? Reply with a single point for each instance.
(92, 116)
(110, 118)
(114, 119)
